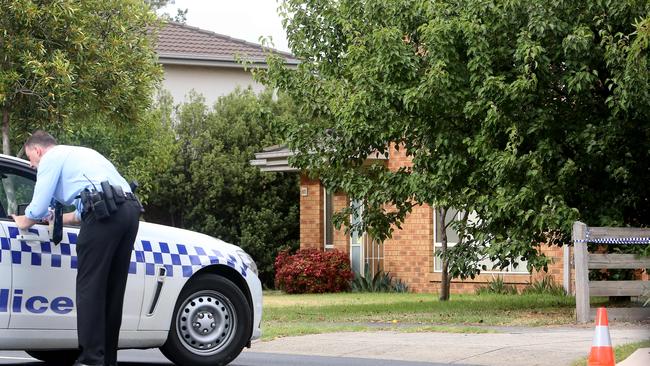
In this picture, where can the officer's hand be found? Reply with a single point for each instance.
(23, 222)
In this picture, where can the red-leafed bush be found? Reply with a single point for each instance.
(312, 271)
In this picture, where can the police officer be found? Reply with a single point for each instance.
(103, 246)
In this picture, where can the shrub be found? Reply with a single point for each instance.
(312, 271)
(497, 286)
(545, 286)
(379, 282)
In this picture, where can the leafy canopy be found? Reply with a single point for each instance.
(532, 114)
(65, 57)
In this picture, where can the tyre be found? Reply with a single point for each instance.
(64, 357)
(211, 324)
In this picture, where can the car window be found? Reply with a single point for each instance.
(16, 189)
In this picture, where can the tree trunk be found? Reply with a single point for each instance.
(8, 183)
(444, 280)
(6, 149)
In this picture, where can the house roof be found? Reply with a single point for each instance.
(183, 44)
(276, 159)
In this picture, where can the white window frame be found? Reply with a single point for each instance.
(521, 268)
(327, 221)
(361, 239)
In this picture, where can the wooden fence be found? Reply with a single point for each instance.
(582, 234)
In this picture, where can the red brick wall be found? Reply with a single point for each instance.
(311, 213)
(398, 158)
(408, 254)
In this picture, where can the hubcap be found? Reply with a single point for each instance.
(206, 322)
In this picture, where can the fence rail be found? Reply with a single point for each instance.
(582, 234)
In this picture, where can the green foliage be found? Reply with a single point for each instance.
(545, 286)
(211, 186)
(379, 282)
(65, 57)
(531, 114)
(497, 286)
(143, 151)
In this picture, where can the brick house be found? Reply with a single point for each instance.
(410, 254)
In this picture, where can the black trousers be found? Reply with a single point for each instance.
(103, 255)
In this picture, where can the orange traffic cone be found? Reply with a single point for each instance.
(602, 353)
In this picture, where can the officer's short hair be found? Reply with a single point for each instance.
(40, 138)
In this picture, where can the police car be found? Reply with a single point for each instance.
(195, 297)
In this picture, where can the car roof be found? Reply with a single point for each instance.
(21, 163)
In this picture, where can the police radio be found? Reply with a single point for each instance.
(93, 200)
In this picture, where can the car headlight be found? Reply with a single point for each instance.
(247, 260)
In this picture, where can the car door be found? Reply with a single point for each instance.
(44, 274)
(5, 279)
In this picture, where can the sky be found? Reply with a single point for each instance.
(243, 19)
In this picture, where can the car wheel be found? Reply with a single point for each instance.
(64, 357)
(211, 324)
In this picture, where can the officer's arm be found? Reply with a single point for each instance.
(47, 178)
(71, 218)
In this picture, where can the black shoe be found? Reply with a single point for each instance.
(77, 363)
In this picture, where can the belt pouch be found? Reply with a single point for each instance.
(107, 189)
(118, 194)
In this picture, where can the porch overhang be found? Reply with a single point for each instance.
(276, 159)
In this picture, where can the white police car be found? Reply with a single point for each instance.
(196, 297)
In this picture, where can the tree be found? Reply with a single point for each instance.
(528, 114)
(60, 58)
(212, 188)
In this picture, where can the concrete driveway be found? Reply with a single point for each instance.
(555, 346)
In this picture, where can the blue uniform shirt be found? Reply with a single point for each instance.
(63, 172)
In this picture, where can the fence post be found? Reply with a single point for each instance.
(581, 271)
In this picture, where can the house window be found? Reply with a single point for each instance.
(452, 239)
(328, 232)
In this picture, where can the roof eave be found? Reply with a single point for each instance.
(214, 61)
(273, 166)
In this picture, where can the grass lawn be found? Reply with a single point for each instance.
(286, 315)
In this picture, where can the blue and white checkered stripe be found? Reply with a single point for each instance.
(179, 260)
(44, 255)
(624, 240)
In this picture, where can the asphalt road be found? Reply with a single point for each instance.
(509, 346)
(154, 358)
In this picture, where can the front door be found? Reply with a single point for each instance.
(356, 239)
(366, 254)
